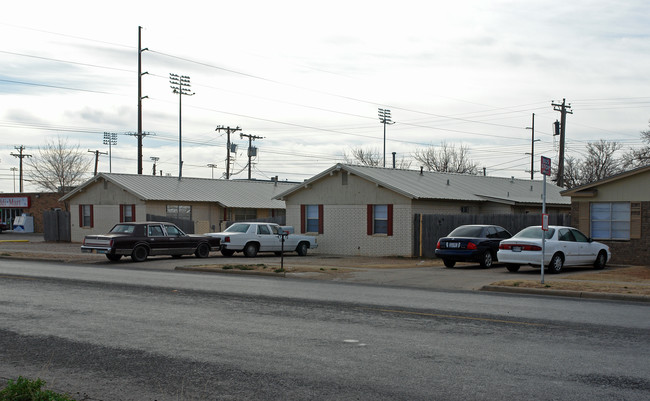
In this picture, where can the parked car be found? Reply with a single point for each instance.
(471, 243)
(564, 246)
(251, 238)
(142, 239)
(4, 227)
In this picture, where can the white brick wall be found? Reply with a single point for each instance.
(344, 231)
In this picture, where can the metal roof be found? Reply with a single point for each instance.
(415, 184)
(227, 193)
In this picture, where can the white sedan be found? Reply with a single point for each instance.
(564, 246)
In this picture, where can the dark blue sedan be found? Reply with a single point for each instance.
(471, 243)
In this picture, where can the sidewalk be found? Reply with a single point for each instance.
(398, 272)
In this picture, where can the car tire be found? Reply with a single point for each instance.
(227, 252)
(302, 249)
(486, 260)
(202, 251)
(140, 253)
(113, 258)
(512, 268)
(556, 264)
(250, 250)
(449, 263)
(601, 261)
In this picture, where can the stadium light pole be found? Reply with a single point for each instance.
(181, 85)
(110, 139)
(384, 118)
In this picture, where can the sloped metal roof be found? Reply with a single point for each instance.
(414, 184)
(228, 193)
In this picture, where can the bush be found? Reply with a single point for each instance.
(29, 390)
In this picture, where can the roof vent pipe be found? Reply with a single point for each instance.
(421, 170)
(447, 182)
(512, 178)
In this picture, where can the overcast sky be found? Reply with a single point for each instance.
(309, 77)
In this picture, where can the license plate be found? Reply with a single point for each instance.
(453, 244)
(516, 249)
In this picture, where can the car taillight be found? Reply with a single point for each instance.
(227, 239)
(471, 245)
(438, 245)
(110, 243)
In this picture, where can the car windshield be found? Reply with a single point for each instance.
(534, 232)
(467, 231)
(238, 228)
(123, 228)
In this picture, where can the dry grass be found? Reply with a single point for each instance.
(628, 280)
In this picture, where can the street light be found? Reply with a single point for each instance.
(14, 169)
(212, 166)
(532, 149)
(110, 139)
(180, 85)
(384, 118)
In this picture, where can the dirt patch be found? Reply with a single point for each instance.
(629, 280)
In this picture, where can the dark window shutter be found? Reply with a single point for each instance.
(303, 216)
(369, 220)
(92, 217)
(390, 220)
(320, 219)
(133, 213)
(122, 213)
(81, 215)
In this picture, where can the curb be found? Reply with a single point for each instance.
(567, 293)
(231, 271)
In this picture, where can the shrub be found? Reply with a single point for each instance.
(29, 390)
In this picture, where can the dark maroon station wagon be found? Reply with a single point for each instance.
(142, 239)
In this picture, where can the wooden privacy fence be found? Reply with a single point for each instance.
(56, 225)
(428, 228)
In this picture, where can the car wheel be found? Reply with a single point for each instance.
(302, 249)
(486, 260)
(140, 253)
(449, 263)
(512, 268)
(250, 251)
(113, 258)
(556, 264)
(227, 252)
(202, 251)
(601, 260)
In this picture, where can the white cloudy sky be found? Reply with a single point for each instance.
(309, 77)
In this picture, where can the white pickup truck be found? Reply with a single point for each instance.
(251, 238)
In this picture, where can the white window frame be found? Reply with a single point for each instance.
(609, 220)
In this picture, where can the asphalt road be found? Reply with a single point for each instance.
(107, 333)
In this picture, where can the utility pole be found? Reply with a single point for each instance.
(20, 156)
(13, 170)
(228, 145)
(212, 166)
(564, 109)
(180, 85)
(155, 159)
(251, 152)
(140, 97)
(97, 153)
(532, 149)
(110, 139)
(384, 118)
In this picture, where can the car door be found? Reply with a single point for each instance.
(569, 247)
(178, 241)
(157, 239)
(587, 251)
(268, 241)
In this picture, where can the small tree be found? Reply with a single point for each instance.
(638, 157)
(366, 157)
(600, 162)
(58, 166)
(446, 159)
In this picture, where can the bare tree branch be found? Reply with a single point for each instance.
(58, 166)
(446, 159)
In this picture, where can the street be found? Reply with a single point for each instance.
(109, 333)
